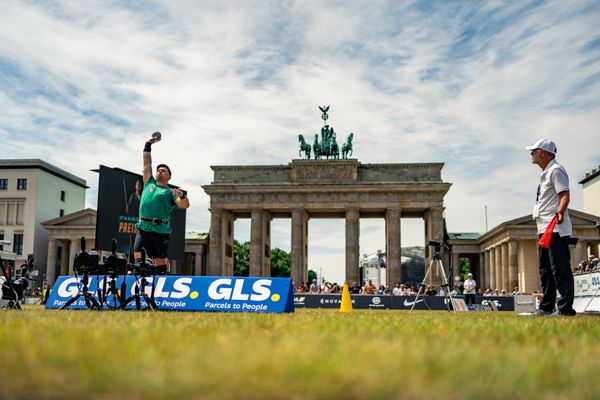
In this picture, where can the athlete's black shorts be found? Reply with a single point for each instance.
(156, 244)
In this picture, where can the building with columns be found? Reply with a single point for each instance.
(306, 189)
(506, 256)
(64, 241)
(64, 238)
(32, 191)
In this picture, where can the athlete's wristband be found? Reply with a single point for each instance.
(148, 147)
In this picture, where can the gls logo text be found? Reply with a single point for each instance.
(181, 288)
(221, 289)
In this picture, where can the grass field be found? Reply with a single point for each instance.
(306, 354)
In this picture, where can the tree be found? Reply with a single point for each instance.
(241, 258)
(312, 275)
(465, 267)
(281, 263)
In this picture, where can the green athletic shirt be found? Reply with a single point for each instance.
(156, 202)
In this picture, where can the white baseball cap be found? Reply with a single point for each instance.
(544, 144)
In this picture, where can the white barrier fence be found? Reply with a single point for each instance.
(587, 292)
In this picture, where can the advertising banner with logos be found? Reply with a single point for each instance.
(303, 300)
(587, 292)
(119, 194)
(187, 293)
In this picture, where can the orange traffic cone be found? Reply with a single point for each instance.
(346, 305)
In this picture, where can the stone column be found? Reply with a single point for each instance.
(266, 265)
(256, 243)
(498, 265)
(227, 238)
(260, 243)
(455, 265)
(393, 247)
(215, 243)
(427, 227)
(435, 232)
(579, 253)
(492, 255)
(505, 264)
(352, 244)
(74, 247)
(299, 246)
(482, 273)
(513, 265)
(486, 264)
(51, 262)
(64, 257)
(198, 261)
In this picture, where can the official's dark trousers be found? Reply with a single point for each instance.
(555, 273)
(469, 299)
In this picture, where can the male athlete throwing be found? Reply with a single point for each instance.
(156, 204)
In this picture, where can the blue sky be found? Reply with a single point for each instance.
(468, 83)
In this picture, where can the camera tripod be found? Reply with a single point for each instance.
(436, 262)
(111, 290)
(114, 266)
(85, 262)
(143, 269)
(82, 291)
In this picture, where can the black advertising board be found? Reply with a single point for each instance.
(363, 302)
(118, 205)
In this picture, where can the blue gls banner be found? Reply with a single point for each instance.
(184, 293)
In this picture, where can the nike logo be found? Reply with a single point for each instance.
(410, 303)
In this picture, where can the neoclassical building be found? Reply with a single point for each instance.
(506, 256)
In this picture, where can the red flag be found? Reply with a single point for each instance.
(547, 236)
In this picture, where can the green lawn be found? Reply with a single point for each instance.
(306, 354)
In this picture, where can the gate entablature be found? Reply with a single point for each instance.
(330, 171)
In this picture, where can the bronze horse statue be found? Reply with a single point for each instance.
(317, 148)
(304, 147)
(347, 147)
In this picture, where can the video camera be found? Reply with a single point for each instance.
(145, 266)
(437, 246)
(113, 264)
(13, 290)
(86, 262)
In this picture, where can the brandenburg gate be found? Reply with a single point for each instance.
(332, 188)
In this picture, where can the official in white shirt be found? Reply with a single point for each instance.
(553, 199)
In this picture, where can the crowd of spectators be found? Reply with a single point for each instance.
(369, 288)
(591, 264)
(400, 289)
